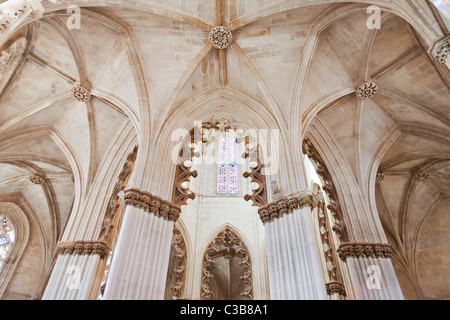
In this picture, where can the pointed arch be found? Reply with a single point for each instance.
(228, 245)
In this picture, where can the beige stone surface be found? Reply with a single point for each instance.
(294, 66)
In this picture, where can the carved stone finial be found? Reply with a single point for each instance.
(220, 37)
(81, 92)
(367, 90)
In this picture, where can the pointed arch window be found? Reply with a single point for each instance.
(7, 237)
(227, 177)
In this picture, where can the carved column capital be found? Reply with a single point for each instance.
(83, 248)
(152, 204)
(285, 206)
(364, 250)
(336, 287)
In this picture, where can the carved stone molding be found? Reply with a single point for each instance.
(81, 92)
(336, 287)
(366, 91)
(220, 37)
(84, 248)
(13, 10)
(152, 204)
(364, 250)
(180, 271)
(282, 207)
(422, 176)
(112, 215)
(259, 195)
(37, 179)
(329, 188)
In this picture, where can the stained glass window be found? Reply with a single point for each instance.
(227, 177)
(443, 6)
(6, 239)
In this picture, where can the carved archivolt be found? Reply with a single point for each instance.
(83, 248)
(180, 270)
(228, 245)
(13, 10)
(364, 250)
(259, 195)
(112, 215)
(285, 206)
(328, 187)
(152, 204)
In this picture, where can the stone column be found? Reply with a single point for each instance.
(295, 272)
(140, 262)
(370, 273)
(77, 265)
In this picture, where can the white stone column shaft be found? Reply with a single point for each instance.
(140, 261)
(295, 272)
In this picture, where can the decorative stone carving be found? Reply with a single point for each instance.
(37, 179)
(329, 188)
(366, 91)
(422, 176)
(282, 207)
(442, 52)
(364, 250)
(84, 248)
(152, 204)
(380, 177)
(220, 37)
(180, 270)
(336, 287)
(228, 245)
(81, 92)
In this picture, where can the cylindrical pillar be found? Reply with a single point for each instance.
(295, 272)
(77, 265)
(141, 258)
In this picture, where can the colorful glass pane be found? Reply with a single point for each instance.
(227, 179)
(222, 174)
(443, 6)
(6, 239)
(233, 170)
(6, 225)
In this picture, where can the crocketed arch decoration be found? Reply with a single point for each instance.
(227, 269)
